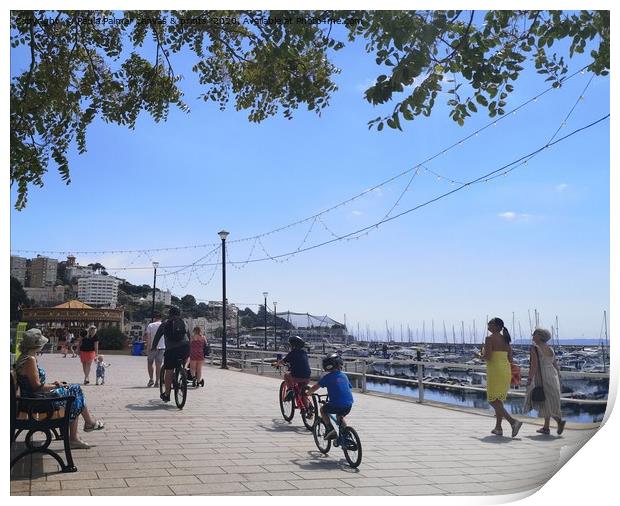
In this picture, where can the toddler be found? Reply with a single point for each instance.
(101, 367)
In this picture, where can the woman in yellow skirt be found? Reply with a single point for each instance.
(497, 353)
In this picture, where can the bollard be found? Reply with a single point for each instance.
(420, 383)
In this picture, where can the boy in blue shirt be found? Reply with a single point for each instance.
(339, 391)
(299, 369)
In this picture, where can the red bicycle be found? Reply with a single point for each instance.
(289, 403)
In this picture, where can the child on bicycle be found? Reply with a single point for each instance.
(339, 391)
(299, 369)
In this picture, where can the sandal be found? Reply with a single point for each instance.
(79, 445)
(561, 425)
(516, 427)
(543, 430)
(98, 425)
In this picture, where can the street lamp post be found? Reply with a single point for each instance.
(155, 265)
(265, 295)
(223, 235)
(275, 326)
(238, 346)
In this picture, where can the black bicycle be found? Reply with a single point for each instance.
(347, 437)
(179, 383)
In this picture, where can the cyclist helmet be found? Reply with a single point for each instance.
(330, 362)
(296, 342)
(174, 311)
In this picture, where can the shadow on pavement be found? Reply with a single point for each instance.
(543, 437)
(283, 426)
(318, 461)
(495, 439)
(153, 405)
(33, 466)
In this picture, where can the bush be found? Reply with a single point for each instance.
(111, 338)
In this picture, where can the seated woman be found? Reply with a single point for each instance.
(31, 381)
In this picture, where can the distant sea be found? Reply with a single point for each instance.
(575, 342)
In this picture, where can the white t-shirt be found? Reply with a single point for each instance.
(150, 331)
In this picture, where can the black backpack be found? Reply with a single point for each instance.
(175, 330)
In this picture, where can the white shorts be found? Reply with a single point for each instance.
(156, 355)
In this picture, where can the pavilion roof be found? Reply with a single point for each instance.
(73, 304)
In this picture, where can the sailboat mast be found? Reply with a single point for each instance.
(606, 340)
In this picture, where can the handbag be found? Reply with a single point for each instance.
(206, 349)
(538, 393)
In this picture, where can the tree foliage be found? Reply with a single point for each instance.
(18, 299)
(81, 68)
(111, 338)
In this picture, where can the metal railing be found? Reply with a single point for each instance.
(260, 359)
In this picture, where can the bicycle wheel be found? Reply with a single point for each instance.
(180, 386)
(286, 407)
(312, 408)
(318, 431)
(352, 446)
(162, 387)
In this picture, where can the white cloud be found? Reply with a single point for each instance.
(561, 187)
(508, 215)
(513, 216)
(357, 213)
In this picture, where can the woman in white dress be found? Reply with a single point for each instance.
(544, 371)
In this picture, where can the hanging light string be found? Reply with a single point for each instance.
(332, 208)
(563, 124)
(484, 177)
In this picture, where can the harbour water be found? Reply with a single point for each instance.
(576, 413)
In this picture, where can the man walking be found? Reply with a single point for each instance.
(157, 355)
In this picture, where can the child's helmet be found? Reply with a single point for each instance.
(296, 342)
(330, 362)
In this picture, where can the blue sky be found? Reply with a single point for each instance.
(537, 238)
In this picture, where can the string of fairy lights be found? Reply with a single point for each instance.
(181, 275)
(420, 166)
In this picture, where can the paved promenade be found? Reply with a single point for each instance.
(231, 440)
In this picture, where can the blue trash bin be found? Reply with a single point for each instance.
(137, 348)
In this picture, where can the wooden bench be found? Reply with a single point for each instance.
(39, 415)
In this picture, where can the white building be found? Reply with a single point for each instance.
(98, 290)
(77, 271)
(18, 268)
(43, 272)
(161, 297)
(47, 296)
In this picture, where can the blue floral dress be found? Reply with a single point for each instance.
(74, 389)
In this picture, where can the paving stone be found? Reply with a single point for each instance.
(245, 448)
(91, 484)
(134, 491)
(208, 488)
(364, 491)
(311, 492)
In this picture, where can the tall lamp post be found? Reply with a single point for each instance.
(155, 265)
(275, 326)
(223, 235)
(265, 295)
